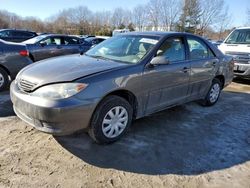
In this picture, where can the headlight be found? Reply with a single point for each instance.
(59, 91)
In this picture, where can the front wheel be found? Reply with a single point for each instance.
(213, 93)
(110, 120)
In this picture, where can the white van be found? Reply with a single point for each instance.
(120, 31)
(237, 44)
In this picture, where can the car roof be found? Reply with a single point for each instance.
(57, 35)
(17, 30)
(158, 33)
(239, 28)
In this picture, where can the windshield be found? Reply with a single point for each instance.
(34, 40)
(126, 48)
(241, 36)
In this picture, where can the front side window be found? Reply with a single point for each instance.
(198, 49)
(173, 50)
(35, 39)
(127, 48)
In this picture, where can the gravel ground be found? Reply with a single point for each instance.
(186, 146)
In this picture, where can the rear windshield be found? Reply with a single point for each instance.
(240, 36)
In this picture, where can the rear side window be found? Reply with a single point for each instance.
(52, 41)
(28, 34)
(173, 49)
(21, 34)
(4, 34)
(198, 49)
(69, 41)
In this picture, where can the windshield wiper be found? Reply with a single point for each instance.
(98, 57)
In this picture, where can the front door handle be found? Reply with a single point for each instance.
(185, 69)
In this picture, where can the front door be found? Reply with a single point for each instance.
(167, 84)
(49, 47)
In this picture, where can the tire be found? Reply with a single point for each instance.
(102, 123)
(213, 94)
(4, 79)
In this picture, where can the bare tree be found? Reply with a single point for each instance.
(213, 13)
(224, 22)
(170, 12)
(121, 18)
(248, 16)
(140, 17)
(154, 14)
(197, 16)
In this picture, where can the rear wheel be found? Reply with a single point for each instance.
(110, 120)
(213, 93)
(4, 79)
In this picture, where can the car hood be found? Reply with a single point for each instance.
(64, 69)
(241, 48)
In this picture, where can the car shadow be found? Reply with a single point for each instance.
(241, 81)
(186, 140)
(6, 109)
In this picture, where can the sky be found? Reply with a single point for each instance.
(46, 8)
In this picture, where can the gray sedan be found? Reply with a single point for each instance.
(13, 57)
(124, 78)
(52, 45)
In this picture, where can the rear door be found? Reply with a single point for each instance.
(167, 84)
(71, 45)
(203, 66)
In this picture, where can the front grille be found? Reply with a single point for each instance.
(25, 85)
(243, 58)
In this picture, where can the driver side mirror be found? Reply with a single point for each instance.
(159, 60)
(43, 44)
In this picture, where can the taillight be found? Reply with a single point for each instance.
(24, 53)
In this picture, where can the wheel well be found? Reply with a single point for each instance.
(32, 57)
(4, 68)
(128, 96)
(222, 79)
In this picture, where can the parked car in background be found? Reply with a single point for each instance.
(237, 45)
(216, 42)
(90, 42)
(120, 31)
(16, 35)
(52, 45)
(13, 57)
(124, 78)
